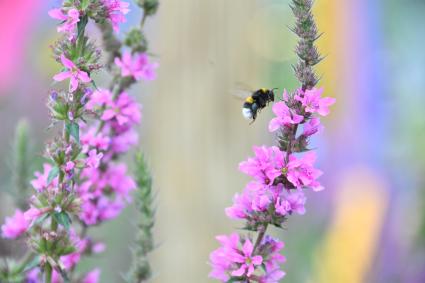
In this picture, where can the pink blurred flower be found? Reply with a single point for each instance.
(136, 66)
(312, 102)
(122, 142)
(33, 213)
(15, 226)
(72, 72)
(99, 98)
(69, 166)
(89, 213)
(93, 159)
(124, 110)
(115, 11)
(92, 139)
(70, 20)
(92, 277)
(119, 181)
(109, 209)
(273, 276)
(40, 183)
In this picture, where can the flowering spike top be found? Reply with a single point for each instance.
(282, 175)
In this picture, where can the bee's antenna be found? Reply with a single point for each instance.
(273, 89)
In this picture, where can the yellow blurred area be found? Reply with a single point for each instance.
(349, 246)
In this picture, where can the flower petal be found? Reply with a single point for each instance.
(84, 77)
(57, 14)
(62, 76)
(247, 248)
(67, 63)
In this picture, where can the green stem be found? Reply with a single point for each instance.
(260, 238)
(48, 270)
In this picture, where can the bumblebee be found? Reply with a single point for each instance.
(257, 101)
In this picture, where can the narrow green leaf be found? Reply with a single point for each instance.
(74, 130)
(63, 219)
(94, 84)
(81, 26)
(54, 172)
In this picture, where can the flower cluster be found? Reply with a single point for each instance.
(84, 182)
(235, 259)
(281, 175)
(138, 66)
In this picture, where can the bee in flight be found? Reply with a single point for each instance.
(257, 101)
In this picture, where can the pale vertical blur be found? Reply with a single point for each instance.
(196, 134)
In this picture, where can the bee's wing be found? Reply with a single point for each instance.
(241, 94)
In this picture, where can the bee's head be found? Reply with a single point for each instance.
(271, 93)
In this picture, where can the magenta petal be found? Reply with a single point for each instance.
(257, 260)
(240, 271)
(62, 76)
(118, 62)
(66, 62)
(328, 101)
(74, 84)
(274, 125)
(247, 248)
(297, 118)
(74, 14)
(108, 114)
(84, 77)
(251, 270)
(57, 14)
(122, 119)
(92, 276)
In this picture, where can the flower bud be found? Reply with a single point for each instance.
(149, 6)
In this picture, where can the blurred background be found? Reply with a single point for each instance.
(367, 226)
